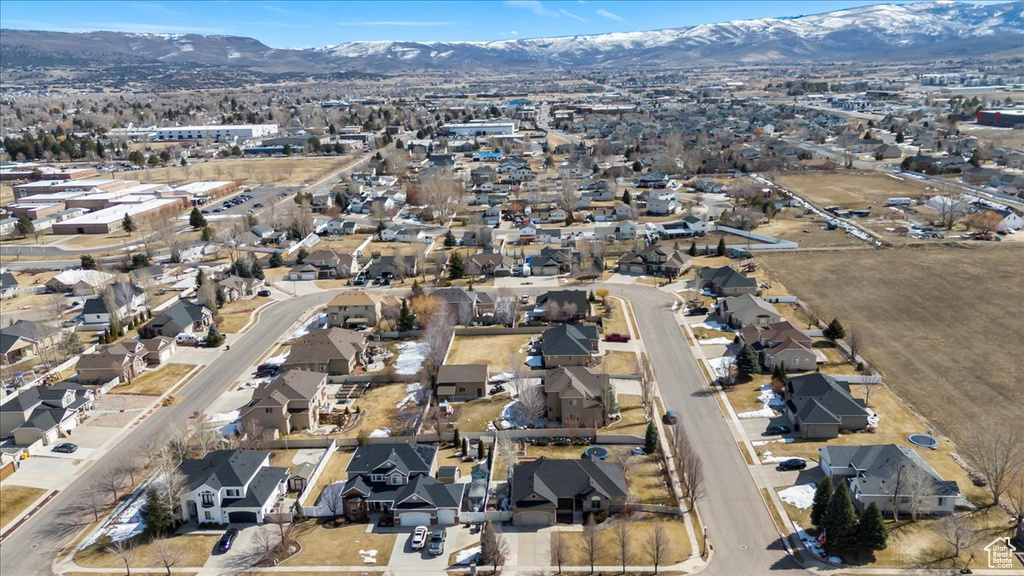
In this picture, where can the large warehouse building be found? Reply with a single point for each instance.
(480, 128)
(109, 219)
(1001, 118)
(215, 132)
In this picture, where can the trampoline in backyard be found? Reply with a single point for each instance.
(598, 452)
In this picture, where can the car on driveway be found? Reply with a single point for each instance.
(437, 539)
(225, 542)
(793, 464)
(65, 448)
(775, 429)
(419, 537)
(616, 337)
(264, 293)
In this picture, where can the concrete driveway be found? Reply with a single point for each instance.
(405, 560)
(779, 478)
(243, 552)
(47, 473)
(528, 546)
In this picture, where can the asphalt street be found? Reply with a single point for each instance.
(30, 550)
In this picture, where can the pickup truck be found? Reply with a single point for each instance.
(616, 337)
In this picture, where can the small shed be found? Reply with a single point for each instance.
(448, 474)
(300, 476)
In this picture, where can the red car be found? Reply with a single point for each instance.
(616, 337)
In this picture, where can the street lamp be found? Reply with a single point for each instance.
(704, 551)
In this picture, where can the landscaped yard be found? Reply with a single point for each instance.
(236, 314)
(633, 420)
(339, 546)
(617, 322)
(645, 478)
(188, 550)
(492, 350)
(156, 382)
(451, 457)
(15, 499)
(639, 534)
(379, 406)
(743, 396)
(333, 472)
(475, 414)
(618, 362)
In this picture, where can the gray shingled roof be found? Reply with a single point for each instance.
(414, 458)
(222, 468)
(569, 340)
(554, 479)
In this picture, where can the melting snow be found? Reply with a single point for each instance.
(410, 357)
(812, 545)
(800, 496)
(468, 555)
(381, 433)
(765, 412)
(414, 395)
(715, 341)
(315, 322)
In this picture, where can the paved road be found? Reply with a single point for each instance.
(739, 526)
(32, 548)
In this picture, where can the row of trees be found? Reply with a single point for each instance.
(657, 544)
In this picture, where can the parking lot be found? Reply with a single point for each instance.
(263, 196)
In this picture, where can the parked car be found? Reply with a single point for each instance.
(65, 448)
(525, 298)
(793, 464)
(497, 389)
(670, 417)
(697, 311)
(774, 429)
(225, 542)
(616, 337)
(264, 293)
(437, 539)
(419, 537)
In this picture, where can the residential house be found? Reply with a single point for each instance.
(655, 259)
(467, 307)
(781, 343)
(745, 310)
(491, 264)
(44, 413)
(8, 286)
(159, 350)
(122, 361)
(482, 174)
(725, 281)
(15, 348)
(569, 345)
(329, 264)
(393, 480)
(182, 317)
(231, 487)
(25, 338)
(882, 473)
(563, 305)
(545, 490)
(354, 308)
(626, 230)
(662, 203)
(698, 226)
(336, 351)
(80, 282)
(527, 234)
(127, 300)
(399, 266)
(462, 382)
(492, 216)
(820, 407)
(237, 287)
(576, 396)
(302, 273)
(887, 152)
(571, 170)
(652, 180)
(288, 403)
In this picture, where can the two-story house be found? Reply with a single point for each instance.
(466, 306)
(662, 203)
(781, 343)
(577, 396)
(290, 402)
(230, 486)
(820, 407)
(182, 317)
(44, 413)
(335, 351)
(394, 480)
(354, 308)
(122, 361)
(569, 345)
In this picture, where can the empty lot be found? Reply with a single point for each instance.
(943, 324)
(851, 189)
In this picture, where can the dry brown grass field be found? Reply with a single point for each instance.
(288, 170)
(943, 324)
(851, 189)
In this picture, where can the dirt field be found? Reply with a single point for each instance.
(808, 231)
(1000, 137)
(854, 190)
(293, 170)
(943, 325)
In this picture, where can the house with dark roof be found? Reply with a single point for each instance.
(725, 281)
(491, 263)
(122, 361)
(883, 474)
(230, 486)
(462, 382)
(183, 317)
(745, 309)
(8, 286)
(394, 481)
(569, 345)
(290, 402)
(127, 300)
(781, 343)
(545, 490)
(466, 306)
(820, 407)
(576, 396)
(336, 351)
(44, 413)
(655, 259)
(24, 338)
(562, 306)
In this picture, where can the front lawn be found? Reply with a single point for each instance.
(235, 315)
(618, 362)
(339, 546)
(632, 419)
(639, 535)
(475, 414)
(155, 382)
(188, 550)
(492, 350)
(15, 499)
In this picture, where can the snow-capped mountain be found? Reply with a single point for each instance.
(922, 31)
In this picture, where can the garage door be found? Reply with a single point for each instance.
(446, 517)
(242, 517)
(534, 519)
(414, 519)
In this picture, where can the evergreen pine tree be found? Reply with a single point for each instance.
(779, 372)
(822, 496)
(746, 361)
(405, 317)
(651, 439)
(840, 521)
(626, 198)
(871, 533)
(196, 219)
(693, 248)
(302, 255)
(276, 260)
(456, 439)
(207, 234)
(449, 239)
(720, 251)
(128, 225)
(158, 512)
(416, 289)
(465, 447)
(456, 267)
(834, 331)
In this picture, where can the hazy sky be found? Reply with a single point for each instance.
(298, 24)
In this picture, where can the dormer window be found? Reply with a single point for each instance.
(376, 477)
(396, 480)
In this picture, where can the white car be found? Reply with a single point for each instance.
(419, 537)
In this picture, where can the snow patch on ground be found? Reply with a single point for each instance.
(770, 398)
(713, 325)
(513, 415)
(368, 556)
(414, 395)
(765, 412)
(763, 442)
(715, 341)
(501, 376)
(873, 418)
(317, 321)
(812, 545)
(222, 417)
(468, 555)
(277, 360)
(800, 496)
(410, 357)
(720, 366)
(767, 458)
(381, 433)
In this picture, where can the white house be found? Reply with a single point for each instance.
(231, 486)
(1010, 221)
(626, 230)
(662, 203)
(8, 285)
(571, 170)
(696, 225)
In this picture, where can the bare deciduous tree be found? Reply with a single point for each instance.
(951, 212)
(591, 540)
(442, 192)
(657, 545)
(533, 401)
(437, 336)
(165, 555)
(622, 547)
(506, 447)
(854, 341)
(958, 533)
(689, 465)
(997, 452)
(646, 387)
(112, 480)
(559, 549)
(125, 551)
